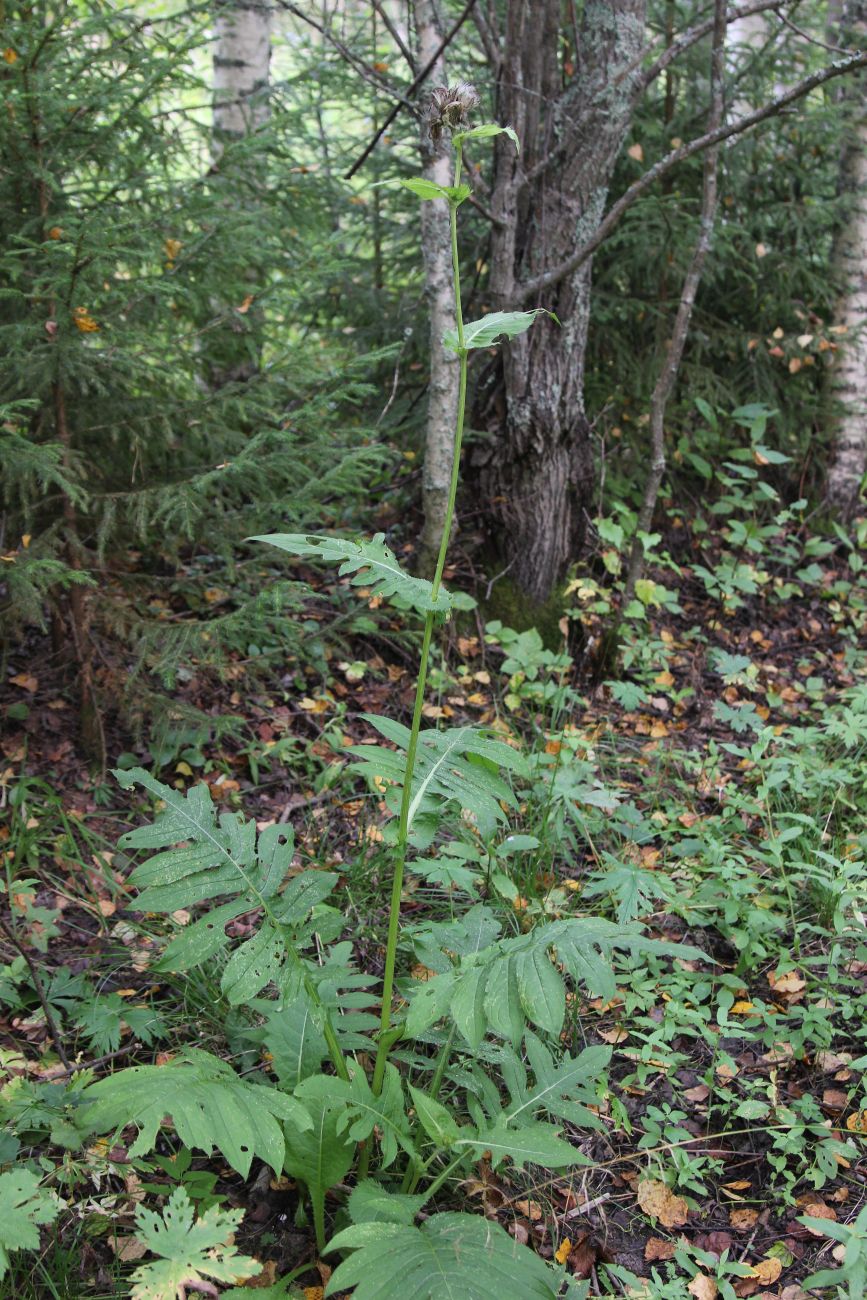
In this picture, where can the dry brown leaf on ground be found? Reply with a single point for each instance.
(656, 1248)
(743, 1220)
(703, 1287)
(660, 1201)
(767, 1270)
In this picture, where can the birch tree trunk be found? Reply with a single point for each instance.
(436, 253)
(849, 375)
(536, 479)
(241, 63)
(242, 58)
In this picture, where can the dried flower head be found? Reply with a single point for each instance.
(450, 107)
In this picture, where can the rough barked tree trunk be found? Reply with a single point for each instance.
(849, 375)
(436, 253)
(241, 63)
(535, 478)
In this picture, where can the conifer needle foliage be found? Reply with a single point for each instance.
(131, 301)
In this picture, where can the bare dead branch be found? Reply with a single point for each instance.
(697, 33)
(364, 70)
(671, 364)
(532, 288)
(394, 33)
(417, 81)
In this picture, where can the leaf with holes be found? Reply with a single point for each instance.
(492, 328)
(191, 1250)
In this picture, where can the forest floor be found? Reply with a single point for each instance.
(715, 792)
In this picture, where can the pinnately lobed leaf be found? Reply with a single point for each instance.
(371, 563)
(450, 1257)
(207, 1103)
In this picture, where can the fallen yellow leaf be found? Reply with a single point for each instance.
(656, 1199)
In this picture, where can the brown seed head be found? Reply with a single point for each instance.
(450, 107)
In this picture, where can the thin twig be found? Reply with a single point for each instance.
(369, 74)
(419, 79)
(53, 1029)
(394, 33)
(531, 289)
(671, 365)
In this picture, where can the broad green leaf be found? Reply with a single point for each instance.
(384, 1115)
(425, 189)
(435, 1119)
(490, 329)
(541, 990)
(582, 946)
(536, 1142)
(205, 857)
(294, 1040)
(485, 131)
(450, 1257)
(454, 766)
(321, 1156)
(192, 1250)
(372, 564)
(24, 1206)
(207, 1103)
(370, 1203)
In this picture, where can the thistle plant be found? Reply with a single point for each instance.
(467, 1063)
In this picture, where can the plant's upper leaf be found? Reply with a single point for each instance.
(208, 1104)
(371, 1203)
(450, 1257)
(24, 1205)
(425, 189)
(490, 329)
(485, 131)
(191, 1249)
(456, 766)
(372, 565)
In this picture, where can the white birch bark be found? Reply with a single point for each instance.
(436, 253)
(241, 63)
(849, 375)
(242, 57)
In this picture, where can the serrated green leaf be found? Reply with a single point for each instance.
(434, 1118)
(450, 1257)
(207, 1102)
(371, 1203)
(490, 329)
(322, 1155)
(192, 1250)
(385, 1115)
(24, 1206)
(485, 131)
(458, 765)
(537, 1143)
(541, 990)
(371, 563)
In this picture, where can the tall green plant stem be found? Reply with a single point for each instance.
(412, 748)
